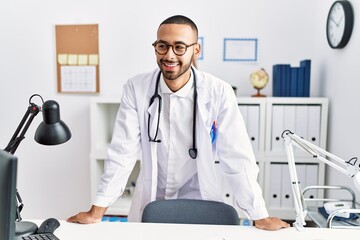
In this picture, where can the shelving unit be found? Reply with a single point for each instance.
(265, 118)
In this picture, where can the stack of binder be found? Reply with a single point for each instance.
(292, 81)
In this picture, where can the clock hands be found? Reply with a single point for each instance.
(342, 16)
(337, 23)
(333, 20)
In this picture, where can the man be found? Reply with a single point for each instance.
(180, 119)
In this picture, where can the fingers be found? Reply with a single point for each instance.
(73, 219)
(285, 224)
(82, 218)
(271, 224)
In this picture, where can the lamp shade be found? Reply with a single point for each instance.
(52, 130)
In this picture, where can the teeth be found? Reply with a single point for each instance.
(171, 64)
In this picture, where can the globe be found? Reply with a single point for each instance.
(258, 80)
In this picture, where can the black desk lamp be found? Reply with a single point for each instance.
(51, 131)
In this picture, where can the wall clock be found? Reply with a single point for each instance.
(340, 23)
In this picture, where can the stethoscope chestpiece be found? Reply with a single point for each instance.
(193, 153)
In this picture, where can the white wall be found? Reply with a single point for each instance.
(54, 181)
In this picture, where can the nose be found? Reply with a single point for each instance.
(170, 53)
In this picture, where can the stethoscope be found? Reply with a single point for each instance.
(193, 150)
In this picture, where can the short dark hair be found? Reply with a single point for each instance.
(180, 19)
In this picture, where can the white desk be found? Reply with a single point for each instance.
(156, 231)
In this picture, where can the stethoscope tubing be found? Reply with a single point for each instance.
(193, 150)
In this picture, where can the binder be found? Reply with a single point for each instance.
(275, 185)
(286, 75)
(306, 64)
(301, 125)
(287, 199)
(311, 180)
(314, 121)
(301, 172)
(301, 82)
(253, 125)
(293, 81)
(277, 80)
(289, 117)
(277, 142)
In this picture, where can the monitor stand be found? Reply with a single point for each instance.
(24, 228)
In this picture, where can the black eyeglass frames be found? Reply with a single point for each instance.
(179, 48)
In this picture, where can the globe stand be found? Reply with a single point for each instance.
(258, 94)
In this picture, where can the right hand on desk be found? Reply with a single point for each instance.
(94, 215)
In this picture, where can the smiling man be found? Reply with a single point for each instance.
(181, 119)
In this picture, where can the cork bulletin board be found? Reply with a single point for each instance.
(77, 58)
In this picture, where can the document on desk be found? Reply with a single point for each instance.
(78, 78)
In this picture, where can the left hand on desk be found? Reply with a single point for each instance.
(270, 223)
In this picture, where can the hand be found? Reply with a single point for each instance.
(271, 223)
(94, 215)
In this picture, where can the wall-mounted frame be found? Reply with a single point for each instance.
(77, 58)
(201, 41)
(241, 49)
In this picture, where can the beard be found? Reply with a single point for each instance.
(173, 75)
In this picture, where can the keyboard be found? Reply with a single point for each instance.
(40, 236)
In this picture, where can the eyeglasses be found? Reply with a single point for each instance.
(179, 48)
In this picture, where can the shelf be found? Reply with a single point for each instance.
(259, 118)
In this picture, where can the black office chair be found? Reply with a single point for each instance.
(190, 211)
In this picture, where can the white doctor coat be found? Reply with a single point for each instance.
(216, 102)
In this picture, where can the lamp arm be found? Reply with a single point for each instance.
(24, 125)
(14, 142)
(346, 167)
(299, 202)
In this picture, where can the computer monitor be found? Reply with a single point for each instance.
(8, 170)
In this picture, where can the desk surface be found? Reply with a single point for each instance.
(156, 231)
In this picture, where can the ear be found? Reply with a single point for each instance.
(197, 51)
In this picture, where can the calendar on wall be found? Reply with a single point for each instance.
(77, 58)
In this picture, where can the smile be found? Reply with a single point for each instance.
(167, 64)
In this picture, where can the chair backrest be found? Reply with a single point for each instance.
(190, 211)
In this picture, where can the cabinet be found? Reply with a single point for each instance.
(265, 119)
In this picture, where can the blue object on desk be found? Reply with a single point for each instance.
(326, 215)
(114, 219)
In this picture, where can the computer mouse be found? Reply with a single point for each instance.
(48, 226)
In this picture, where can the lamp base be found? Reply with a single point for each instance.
(24, 228)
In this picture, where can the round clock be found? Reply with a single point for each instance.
(340, 23)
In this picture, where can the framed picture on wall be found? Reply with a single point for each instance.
(241, 49)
